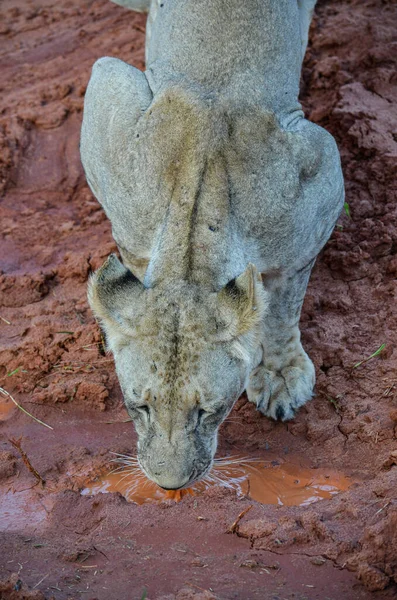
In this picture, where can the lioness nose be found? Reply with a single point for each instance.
(160, 463)
(171, 481)
(178, 487)
(169, 489)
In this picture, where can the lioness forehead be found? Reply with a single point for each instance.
(173, 395)
(177, 318)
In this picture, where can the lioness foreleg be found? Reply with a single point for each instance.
(306, 9)
(285, 378)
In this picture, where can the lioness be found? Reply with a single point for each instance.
(220, 196)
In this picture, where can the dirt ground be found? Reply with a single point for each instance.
(56, 542)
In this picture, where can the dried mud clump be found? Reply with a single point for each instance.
(287, 531)
(14, 589)
(377, 562)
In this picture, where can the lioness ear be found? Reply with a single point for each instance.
(242, 302)
(115, 295)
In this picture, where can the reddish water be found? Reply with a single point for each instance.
(284, 484)
(6, 408)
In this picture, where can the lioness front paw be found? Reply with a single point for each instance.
(278, 394)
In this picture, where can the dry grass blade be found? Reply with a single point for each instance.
(17, 446)
(41, 580)
(8, 395)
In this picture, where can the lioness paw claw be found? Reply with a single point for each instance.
(279, 394)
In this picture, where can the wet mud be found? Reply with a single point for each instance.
(60, 539)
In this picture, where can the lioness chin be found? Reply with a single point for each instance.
(220, 196)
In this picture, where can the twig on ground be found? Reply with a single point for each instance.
(248, 493)
(17, 446)
(5, 393)
(41, 580)
(389, 389)
(383, 507)
(100, 552)
(233, 526)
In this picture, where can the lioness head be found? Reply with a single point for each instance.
(183, 356)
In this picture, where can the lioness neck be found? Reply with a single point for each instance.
(233, 48)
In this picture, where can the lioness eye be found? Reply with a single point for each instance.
(201, 414)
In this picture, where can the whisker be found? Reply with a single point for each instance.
(126, 476)
(236, 459)
(133, 484)
(233, 484)
(125, 466)
(222, 482)
(223, 472)
(120, 454)
(131, 473)
(208, 478)
(124, 461)
(131, 489)
(228, 460)
(140, 482)
(251, 467)
(118, 470)
(124, 455)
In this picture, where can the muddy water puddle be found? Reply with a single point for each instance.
(6, 408)
(281, 484)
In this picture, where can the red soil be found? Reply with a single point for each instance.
(55, 542)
